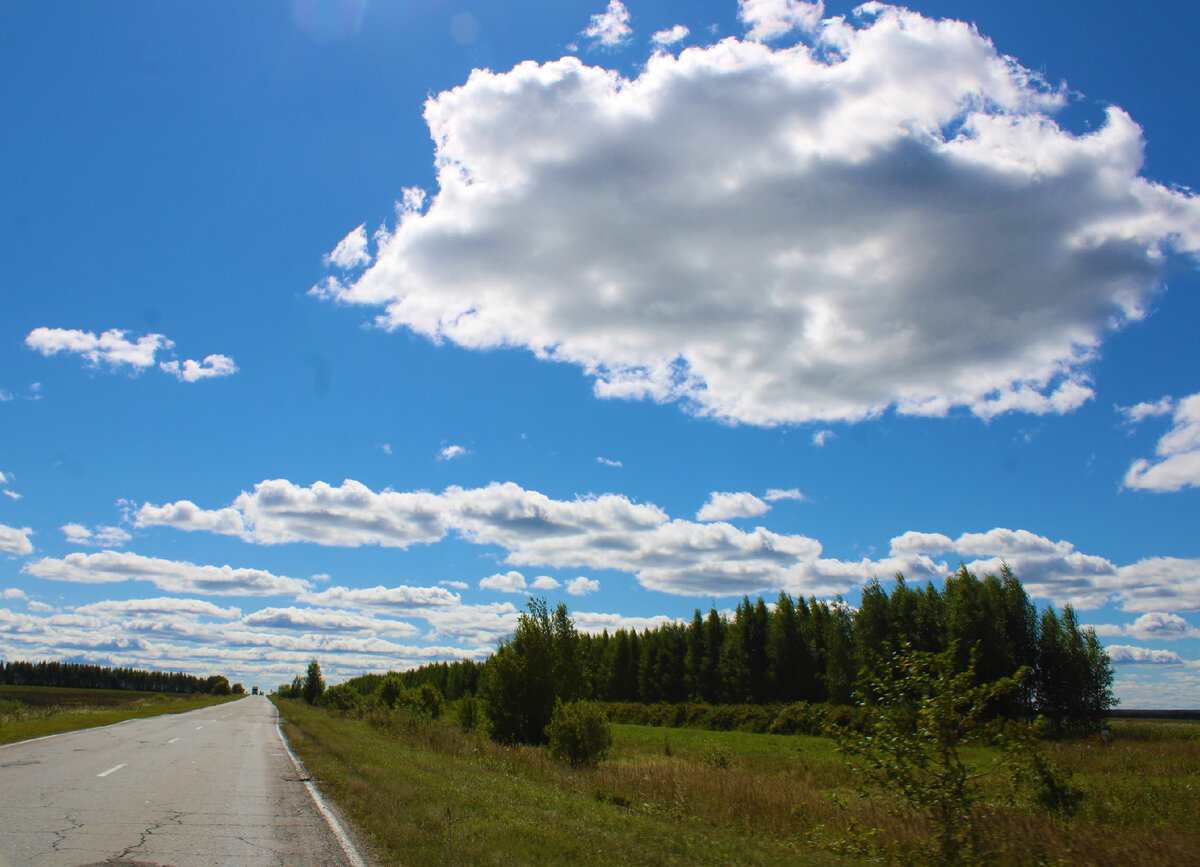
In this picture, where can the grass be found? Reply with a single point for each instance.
(36, 711)
(427, 793)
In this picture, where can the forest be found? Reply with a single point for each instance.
(818, 652)
(83, 676)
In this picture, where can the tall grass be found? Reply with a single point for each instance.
(428, 792)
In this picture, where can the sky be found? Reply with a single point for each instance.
(338, 329)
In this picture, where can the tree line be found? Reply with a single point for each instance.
(805, 651)
(83, 676)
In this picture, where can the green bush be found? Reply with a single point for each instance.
(430, 700)
(579, 733)
(715, 755)
(342, 697)
(390, 689)
(470, 714)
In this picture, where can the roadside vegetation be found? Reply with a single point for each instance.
(932, 751)
(427, 791)
(35, 711)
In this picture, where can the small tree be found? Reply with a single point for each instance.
(238, 689)
(921, 711)
(390, 689)
(579, 733)
(314, 684)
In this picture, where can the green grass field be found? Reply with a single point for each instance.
(425, 792)
(35, 711)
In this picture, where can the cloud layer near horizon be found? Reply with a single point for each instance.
(671, 555)
(783, 235)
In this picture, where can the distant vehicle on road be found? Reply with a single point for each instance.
(254, 690)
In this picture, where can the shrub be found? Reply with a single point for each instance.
(430, 700)
(390, 689)
(469, 712)
(715, 755)
(579, 733)
(342, 697)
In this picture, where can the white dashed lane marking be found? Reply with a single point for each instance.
(110, 770)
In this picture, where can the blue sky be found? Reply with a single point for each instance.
(338, 329)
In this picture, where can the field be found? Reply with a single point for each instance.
(425, 792)
(35, 711)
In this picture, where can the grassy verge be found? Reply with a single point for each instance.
(35, 711)
(427, 793)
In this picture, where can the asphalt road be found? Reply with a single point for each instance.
(214, 786)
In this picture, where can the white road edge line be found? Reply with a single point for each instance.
(334, 825)
(171, 741)
(110, 770)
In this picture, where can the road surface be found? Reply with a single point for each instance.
(214, 786)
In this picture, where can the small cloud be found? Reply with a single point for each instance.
(582, 586)
(1177, 456)
(774, 494)
(5, 396)
(351, 251)
(39, 607)
(194, 371)
(545, 582)
(12, 495)
(12, 593)
(723, 505)
(821, 437)
(1124, 654)
(320, 577)
(609, 463)
(508, 582)
(771, 19)
(78, 534)
(457, 585)
(449, 453)
(386, 448)
(663, 38)
(610, 28)
(15, 540)
(1146, 409)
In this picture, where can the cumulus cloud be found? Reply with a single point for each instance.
(835, 251)
(771, 19)
(106, 536)
(172, 576)
(667, 554)
(663, 38)
(508, 582)
(159, 605)
(545, 582)
(610, 28)
(326, 620)
(351, 251)
(819, 438)
(582, 586)
(608, 463)
(1124, 654)
(400, 598)
(725, 505)
(1177, 462)
(451, 452)
(1153, 626)
(1147, 409)
(194, 371)
(113, 349)
(774, 494)
(14, 540)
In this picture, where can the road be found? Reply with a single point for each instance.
(214, 786)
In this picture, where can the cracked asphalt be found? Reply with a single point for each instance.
(209, 787)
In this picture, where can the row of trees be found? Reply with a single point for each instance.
(79, 675)
(797, 651)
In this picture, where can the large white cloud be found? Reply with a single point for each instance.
(173, 576)
(1177, 464)
(888, 218)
